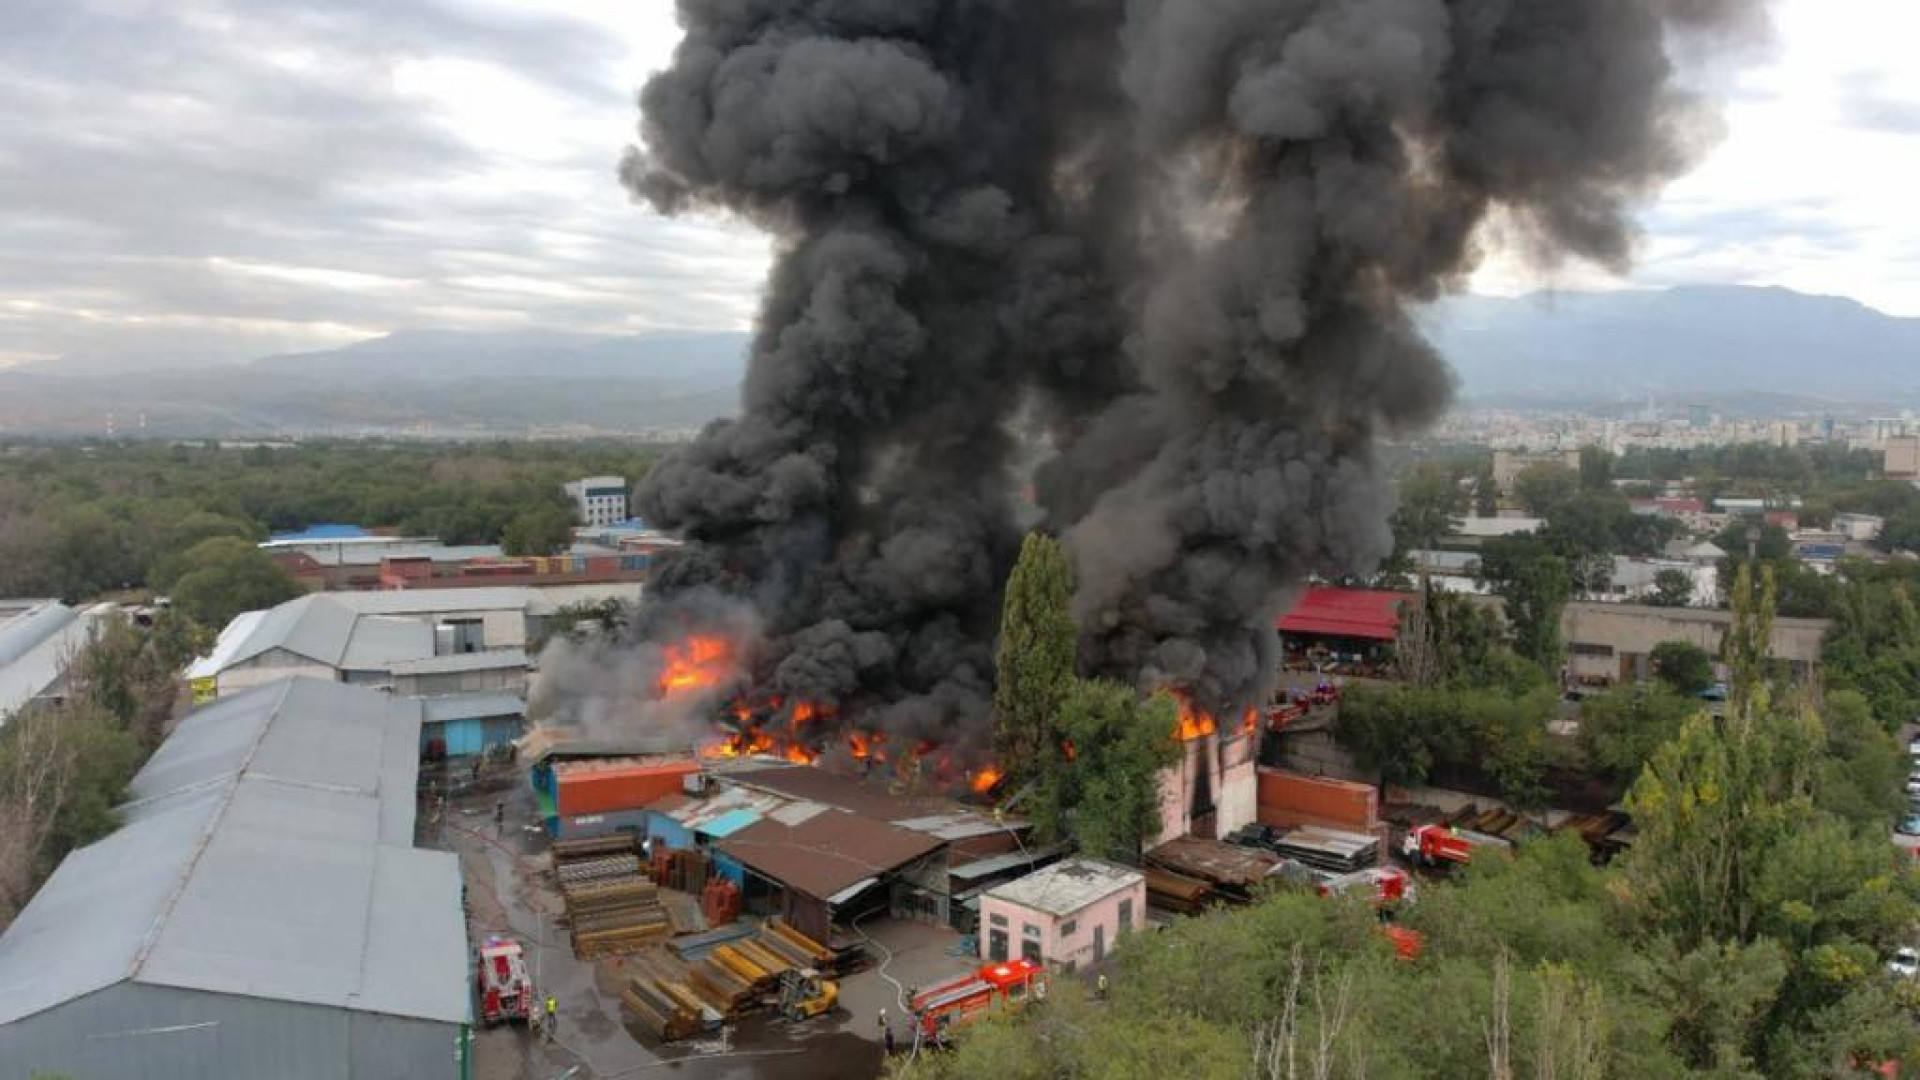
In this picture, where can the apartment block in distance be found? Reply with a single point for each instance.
(599, 500)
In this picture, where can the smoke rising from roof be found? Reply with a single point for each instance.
(1183, 234)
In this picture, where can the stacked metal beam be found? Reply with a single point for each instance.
(612, 908)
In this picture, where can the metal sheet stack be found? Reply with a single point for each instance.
(1177, 893)
(1333, 850)
(612, 909)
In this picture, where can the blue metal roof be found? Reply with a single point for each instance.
(325, 531)
(728, 823)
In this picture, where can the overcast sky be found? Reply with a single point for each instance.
(200, 180)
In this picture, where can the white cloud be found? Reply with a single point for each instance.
(264, 175)
(1812, 186)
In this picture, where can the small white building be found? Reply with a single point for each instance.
(599, 500)
(1066, 916)
(1864, 528)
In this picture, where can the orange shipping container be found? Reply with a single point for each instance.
(606, 787)
(1291, 799)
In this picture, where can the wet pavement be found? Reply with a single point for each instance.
(508, 892)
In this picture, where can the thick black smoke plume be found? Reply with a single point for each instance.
(1181, 235)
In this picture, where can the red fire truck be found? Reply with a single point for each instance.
(993, 989)
(1435, 845)
(506, 994)
(1382, 884)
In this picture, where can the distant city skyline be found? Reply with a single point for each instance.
(213, 180)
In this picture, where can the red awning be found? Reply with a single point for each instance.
(1346, 613)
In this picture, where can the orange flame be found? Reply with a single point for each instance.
(804, 712)
(1195, 722)
(985, 780)
(695, 664)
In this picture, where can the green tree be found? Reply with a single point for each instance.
(1543, 488)
(1622, 729)
(1107, 796)
(1683, 666)
(1430, 504)
(1486, 493)
(1672, 588)
(1534, 586)
(1596, 469)
(224, 576)
(1034, 661)
(540, 530)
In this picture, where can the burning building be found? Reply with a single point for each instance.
(1172, 244)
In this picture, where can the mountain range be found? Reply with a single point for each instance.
(1731, 347)
(1717, 344)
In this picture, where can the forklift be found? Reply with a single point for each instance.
(805, 995)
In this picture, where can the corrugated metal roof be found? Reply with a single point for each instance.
(826, 853)
(269, 855)
(34, 673)
(1368, 614)
(962, 825)
(701, 814)
(729, 823)
(1067, 887)
(381, 643)
(999, 864)
(233, 637)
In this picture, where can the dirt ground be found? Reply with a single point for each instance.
(507, 892)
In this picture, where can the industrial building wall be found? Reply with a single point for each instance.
(135, 1032)
(510, 680)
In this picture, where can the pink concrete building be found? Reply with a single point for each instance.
(1065, 916)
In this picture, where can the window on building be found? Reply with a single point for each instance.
(997, 919)
(1030, 931)
(1126, 914)
(1067, 928)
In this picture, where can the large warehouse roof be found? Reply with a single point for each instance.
(351, 630)
(268, 853)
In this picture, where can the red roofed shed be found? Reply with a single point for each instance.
(1355, 614)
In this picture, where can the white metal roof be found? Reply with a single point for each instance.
(268, 854)
(26, 623)
(361, 631)
(1067, 887)
(36, 671)
(385, 642)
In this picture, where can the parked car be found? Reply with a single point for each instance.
(1905, 963)
(1913, 747)
(1913, 784)
(1909, 825)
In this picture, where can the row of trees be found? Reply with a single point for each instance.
(1741, 937)
(80, 521)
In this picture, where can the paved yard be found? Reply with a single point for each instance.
(507, 892)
